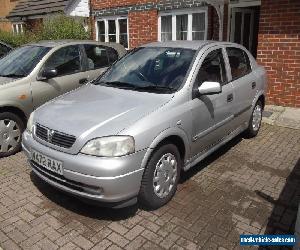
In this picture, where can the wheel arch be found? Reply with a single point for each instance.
(17, 111)
(174, 136)
(262, 98)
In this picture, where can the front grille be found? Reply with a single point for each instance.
(54, 137)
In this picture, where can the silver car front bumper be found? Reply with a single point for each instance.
(104, 185)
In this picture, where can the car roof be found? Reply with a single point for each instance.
(61, 43)
(55, 43)
(196, 45)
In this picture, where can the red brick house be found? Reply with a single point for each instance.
(270, 29)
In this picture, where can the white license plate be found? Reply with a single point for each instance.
(47, 162)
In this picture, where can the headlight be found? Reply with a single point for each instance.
(30, 123)
(110, 146)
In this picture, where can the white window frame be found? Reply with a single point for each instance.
(116, 19)
(190, 13)
(19, 27)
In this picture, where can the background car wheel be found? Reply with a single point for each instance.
(11, 129)
(255, 120)
(160, 179)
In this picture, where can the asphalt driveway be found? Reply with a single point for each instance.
(248, 186)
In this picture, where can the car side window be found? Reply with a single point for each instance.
(239, 62)
(96, 56)
(3, 50)
(112, 55)
(65, 60)
(213, 68)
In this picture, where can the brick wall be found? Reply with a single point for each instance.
(5, 7)
(279, 50)
(102, 4)
(142, 27)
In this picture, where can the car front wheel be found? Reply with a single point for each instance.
(11, 129)
(161, 176)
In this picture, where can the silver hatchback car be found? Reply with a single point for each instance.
(161, 109)
(36, 73)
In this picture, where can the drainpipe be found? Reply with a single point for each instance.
(91, 19)
(219, 7)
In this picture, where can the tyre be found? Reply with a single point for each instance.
(255, 121)
(11, 129)
(160, 178)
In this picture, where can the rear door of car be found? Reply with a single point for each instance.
(68, 62)
(244, 82)
(97, 59)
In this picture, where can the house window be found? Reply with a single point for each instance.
(188, 25)
(18, 28)
(113, 30)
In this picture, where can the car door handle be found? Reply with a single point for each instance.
(230, 98)
(253, 85)
(83, 81)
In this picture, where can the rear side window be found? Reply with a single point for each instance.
(65, 60)
(239, 62)
(213, 68)
(97, 56)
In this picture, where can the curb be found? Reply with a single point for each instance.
(282, 116)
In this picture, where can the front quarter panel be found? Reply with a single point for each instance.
(173, 119)
(18, 95)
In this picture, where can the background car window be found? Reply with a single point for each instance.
(239, 62)
(112, 55)
(96, 56)
(65, 60)
(213, 68)
(3, 50)
(21, 61)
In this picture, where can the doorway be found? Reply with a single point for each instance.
(244, 27)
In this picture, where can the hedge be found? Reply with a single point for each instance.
(53, 28)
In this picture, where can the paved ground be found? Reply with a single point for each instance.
(249, 186)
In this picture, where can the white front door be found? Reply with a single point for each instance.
(242, 23)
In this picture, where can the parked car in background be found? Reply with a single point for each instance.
(160, 109)
(4, 49)
(35, 73)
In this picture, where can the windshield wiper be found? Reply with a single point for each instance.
(156, 88)
(117, 84)
(13, 75)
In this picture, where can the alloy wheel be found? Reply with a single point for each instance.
(10, 135)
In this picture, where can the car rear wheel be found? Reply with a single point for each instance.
(255, 120)
(161, 176)
(11, 129)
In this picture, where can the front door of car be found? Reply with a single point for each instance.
(98, 59)
(67, 62)
(211, 113)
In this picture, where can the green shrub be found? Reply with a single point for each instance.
(53, 28)
(62, 27)
(16, 40)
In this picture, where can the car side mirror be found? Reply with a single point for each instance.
(210, 88)
(49, 73)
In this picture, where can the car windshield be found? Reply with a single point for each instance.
(151, 69)
(21, 61)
